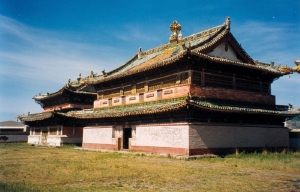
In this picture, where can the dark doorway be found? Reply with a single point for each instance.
(126, 136)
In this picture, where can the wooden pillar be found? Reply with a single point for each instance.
(133, 89)
(203, 77)
(261, 87)
(146, 87)
(233, 82)
(190, 75)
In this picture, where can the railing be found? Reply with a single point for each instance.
(152, 95)
(229, 81)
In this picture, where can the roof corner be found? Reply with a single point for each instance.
(227, 23)
(297, 67)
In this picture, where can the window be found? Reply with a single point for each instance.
(37, 131)
(159, 94)
(53, 131)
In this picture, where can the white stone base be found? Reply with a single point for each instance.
(188, 138)
(54, 140)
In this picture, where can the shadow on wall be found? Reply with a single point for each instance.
(225, 139)
(3, 138)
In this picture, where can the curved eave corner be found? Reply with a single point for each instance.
(296, 69)
(61, 91)
(276, 71)
(35, 117)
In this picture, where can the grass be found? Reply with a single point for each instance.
(29, 168)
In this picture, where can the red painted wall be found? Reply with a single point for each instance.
(218, 93)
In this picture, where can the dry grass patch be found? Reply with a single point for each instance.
(30, 168)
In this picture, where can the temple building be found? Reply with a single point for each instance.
(47, 127)
(13, 131)
(194, 95)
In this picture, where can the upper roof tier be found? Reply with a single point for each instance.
(215, 44)
(204, 44)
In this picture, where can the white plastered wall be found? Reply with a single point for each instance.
(162, 136)
(219, 51)
(34, 139)
(98, 135)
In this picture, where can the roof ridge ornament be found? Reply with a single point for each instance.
(79, 77)
(284, 69)
(227, 23)
(297, 67)
(174, 27)
(139, 53)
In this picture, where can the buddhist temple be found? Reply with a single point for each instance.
(194, 95)
(13, 131)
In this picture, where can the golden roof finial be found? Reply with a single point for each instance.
(175, 27)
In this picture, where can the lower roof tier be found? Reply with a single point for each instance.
(156, 107)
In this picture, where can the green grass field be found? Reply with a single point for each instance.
(30, 168)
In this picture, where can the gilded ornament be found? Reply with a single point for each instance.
(175, 27)
(297, 68)
(284, 69)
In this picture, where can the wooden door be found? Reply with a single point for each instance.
(119, 143)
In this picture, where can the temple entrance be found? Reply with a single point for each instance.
(126, 136)
(119, 143)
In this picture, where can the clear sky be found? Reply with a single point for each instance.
(43, 43)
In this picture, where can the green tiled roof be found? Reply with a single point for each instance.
(66, 89)
(216, 107)
(35, 116)
(128, 110)
(155, 107)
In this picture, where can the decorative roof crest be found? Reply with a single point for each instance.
(284, 69)
(79, 77)
(174, 27)
(92, 74)
(139, 53)
(297, 67)
(227, 23)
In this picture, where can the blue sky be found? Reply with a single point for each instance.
(45, 43)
